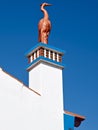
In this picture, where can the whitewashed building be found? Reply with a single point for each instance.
(38, 106)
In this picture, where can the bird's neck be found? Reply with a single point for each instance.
(46, 16)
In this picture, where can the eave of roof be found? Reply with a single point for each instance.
(78, 118)
(20, 82)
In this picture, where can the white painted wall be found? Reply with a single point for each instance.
(47, 80)
(22, 109)
(19, 106)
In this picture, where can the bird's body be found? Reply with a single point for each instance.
(44, 26)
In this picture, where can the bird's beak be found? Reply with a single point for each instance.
(49, 4)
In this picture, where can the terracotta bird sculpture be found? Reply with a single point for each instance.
(44, 25)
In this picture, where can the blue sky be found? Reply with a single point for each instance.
(74, 29)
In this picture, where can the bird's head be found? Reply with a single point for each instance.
(45, 4)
